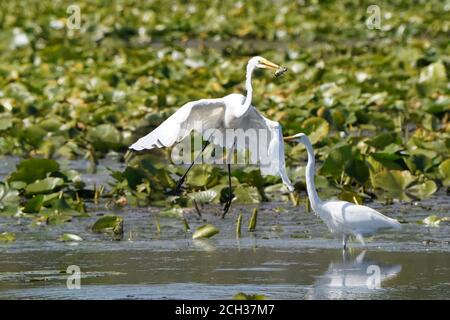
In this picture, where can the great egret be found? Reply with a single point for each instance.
(341, 217)
(234, 111)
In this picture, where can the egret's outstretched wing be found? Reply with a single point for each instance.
(201, 115)
(272, 159)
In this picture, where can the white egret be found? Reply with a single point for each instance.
(234, 111)
(341, 217)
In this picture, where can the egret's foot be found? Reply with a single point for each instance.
(227, 206)
(179, 187)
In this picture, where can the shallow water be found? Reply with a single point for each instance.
(290, 256)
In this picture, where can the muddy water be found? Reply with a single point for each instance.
(290, 256)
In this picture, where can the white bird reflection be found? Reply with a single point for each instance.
(353, 278)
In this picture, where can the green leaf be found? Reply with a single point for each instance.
(253, 220)
(205, 231)
(432, 78)
(69, 237)
(394, 182)
(105, 136)
(203, 197)
(244, 296)
(418, 163)
(8, 196)
(34, 205)
(358, 169)
(46, 185)
(109, 224)
(336, 161)
(6, 121)
(423, 190)
(174, 212)
(7, 237)
(245, 194)
(382, 140)
(59, 206)
(444, 171)
(238, 226)
(316, 128)
(434, 221)
(33, 169)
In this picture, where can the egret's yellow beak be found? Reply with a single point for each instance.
(290, 138)
(266, 64)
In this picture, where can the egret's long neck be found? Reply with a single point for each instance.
(310, 185)
(249, 88)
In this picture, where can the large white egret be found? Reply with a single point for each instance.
(234, 111)
(341, 217)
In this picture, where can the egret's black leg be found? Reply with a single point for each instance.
(230, 193)
(183, 177)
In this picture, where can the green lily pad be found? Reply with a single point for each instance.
(203, 197)
(105, 136)
(34, 205)
(423, 190)
(175, 212)
(316, 128)
(109, 224)
(8, 196)
(434, 221)
(393, 180)
(336, 161)
(245, 194)
(358, 169)
(46, 185)
(59, 206)
(432, 78)
(31, 170)
(245, 296)
(444, 170)
(382, 140)
(6, 121)
(7, 237)
(205, 231)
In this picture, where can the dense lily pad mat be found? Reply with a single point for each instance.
(374, 102)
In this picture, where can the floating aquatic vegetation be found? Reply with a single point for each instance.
(238, 226)
(109, 224)
(7, 237)
(205, 231)
(245, 296)
(434, 221)
(253, 220)
(69, 237)
(403, 185)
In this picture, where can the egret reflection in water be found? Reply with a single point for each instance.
(358, 277)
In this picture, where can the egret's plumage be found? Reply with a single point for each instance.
(233, 111)
(341, 217)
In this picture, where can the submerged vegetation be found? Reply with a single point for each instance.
(374, 102)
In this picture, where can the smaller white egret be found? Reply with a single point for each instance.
(341, 217)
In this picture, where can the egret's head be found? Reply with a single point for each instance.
(262, 63)
(299, 137)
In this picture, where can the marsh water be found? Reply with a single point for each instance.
(290, 255)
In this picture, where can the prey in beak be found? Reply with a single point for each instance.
(266, 64)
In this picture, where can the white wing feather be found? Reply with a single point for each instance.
(275, 151)
(207, 112)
